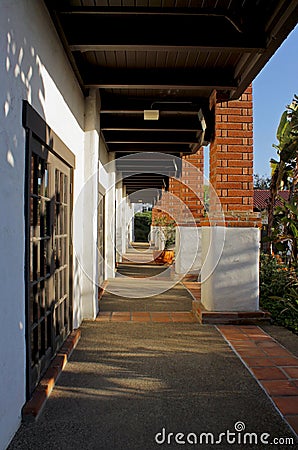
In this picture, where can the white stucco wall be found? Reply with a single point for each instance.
(90, 202)
(188, 250)
(34, 67)
(120, 222)
(230, 276)
(129, 222)
(107, 186)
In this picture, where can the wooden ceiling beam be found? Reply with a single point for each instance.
(156, 138)
(188, 79)
(198, 46)
(126, 148)
(229, 15)
(175, 123)
(160, 31)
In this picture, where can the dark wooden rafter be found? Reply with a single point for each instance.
(125, 148)
(95, 29)
(139, 166)
(158, 79)
(176, 124)
(140, 137)
(230, 16)
(139, 124)
(169, 106)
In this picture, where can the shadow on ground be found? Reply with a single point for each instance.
(127, 381)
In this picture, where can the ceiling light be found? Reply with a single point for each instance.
(151, 114)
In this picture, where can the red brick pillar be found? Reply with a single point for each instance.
(186, 202)
(230, 236)
(174, 203)
(231, 160)
(192, 181)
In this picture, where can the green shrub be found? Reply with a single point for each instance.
(142, 224)
(279, 292)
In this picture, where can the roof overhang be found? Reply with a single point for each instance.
(169, 59)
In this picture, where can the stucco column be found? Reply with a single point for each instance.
(89, 213)
(230, 239)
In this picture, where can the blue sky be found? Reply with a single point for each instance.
(273, 89)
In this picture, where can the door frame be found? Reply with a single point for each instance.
(37, 129)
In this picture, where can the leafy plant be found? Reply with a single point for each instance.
(286, 219)
(279, 291)
(168, 229)
(142, 222)
(284, 171)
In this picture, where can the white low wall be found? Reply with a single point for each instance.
(230, 270)
(188, 250)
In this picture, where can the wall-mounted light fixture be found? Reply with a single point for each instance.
(151, 114)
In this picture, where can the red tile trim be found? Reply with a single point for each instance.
(34, 406)
(272, 365)
(146, 316)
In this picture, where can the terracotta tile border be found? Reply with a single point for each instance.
(272, 365)
(34, 406)
(146, 316)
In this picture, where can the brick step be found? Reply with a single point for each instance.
(146, 316)
(229, 317)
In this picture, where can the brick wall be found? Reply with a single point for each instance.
(231, 161)
(231, 154)
(192, 191)
(231, 168)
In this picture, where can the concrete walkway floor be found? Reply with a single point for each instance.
(136, 385)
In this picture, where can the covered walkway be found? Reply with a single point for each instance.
(105, 105)
(133, 375)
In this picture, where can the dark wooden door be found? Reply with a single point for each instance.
(49, 308)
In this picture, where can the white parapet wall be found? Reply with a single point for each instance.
(188, 250)
(230, 269)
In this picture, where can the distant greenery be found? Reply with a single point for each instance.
(279, 291)
(261, 182)
(142, 223)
